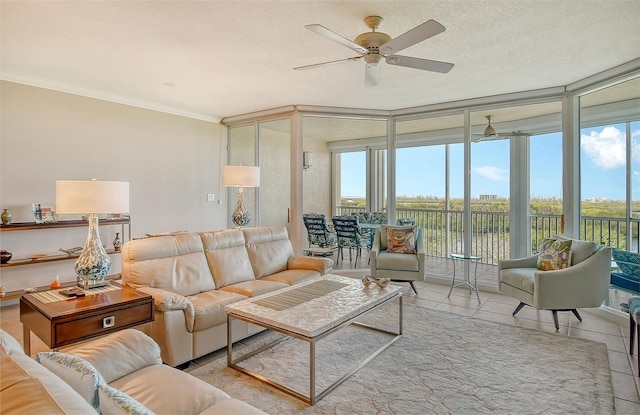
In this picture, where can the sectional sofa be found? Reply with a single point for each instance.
(193, 276)
(114, 375)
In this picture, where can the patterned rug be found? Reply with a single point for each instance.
(443, 364)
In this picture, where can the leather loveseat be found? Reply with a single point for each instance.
(193, 276)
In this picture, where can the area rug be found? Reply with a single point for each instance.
(443, 364)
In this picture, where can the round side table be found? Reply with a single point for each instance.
(467, 278)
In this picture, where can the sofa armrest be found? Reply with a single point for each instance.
(164, 300)
(322, 265)
(528, 262)
(119, 353)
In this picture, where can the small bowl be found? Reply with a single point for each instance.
(5, 256)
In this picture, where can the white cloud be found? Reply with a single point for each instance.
(607, 148)
(492, 173)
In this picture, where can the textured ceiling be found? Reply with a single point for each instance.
(212, 59)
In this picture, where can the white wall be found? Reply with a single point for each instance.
(171, 163)
(317, 179)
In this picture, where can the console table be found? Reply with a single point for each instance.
(61, 322)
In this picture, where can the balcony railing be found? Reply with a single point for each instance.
(443, 231)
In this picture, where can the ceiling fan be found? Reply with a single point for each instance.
(374, 46)
(490, 132)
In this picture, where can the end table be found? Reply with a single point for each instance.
(60, 321)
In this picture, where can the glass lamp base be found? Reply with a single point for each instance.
(89, 284)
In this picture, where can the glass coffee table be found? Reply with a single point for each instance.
(311, 311)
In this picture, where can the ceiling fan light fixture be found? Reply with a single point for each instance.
(372, 58)
(489, 131)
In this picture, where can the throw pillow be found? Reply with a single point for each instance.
(115, 402)
(77, 372)
(554, 254)
(401, 240)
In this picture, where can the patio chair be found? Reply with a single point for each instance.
(317, 231)
(628, 278)
(584, 283)
(349, 236)
(369, 218)
(406, 221)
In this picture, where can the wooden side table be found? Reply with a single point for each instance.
(63, 322)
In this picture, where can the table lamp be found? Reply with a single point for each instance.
(92, 197)
(240, 177)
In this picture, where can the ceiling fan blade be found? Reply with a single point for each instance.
(428, 29)
(316, 65)
(323, 31)
(417, 63)
(371, 74)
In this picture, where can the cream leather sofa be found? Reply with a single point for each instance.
(192, 276)
(117, 374)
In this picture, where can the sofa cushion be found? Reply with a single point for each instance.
(554, 254)
(396, 262)
(133, 348)
(254, 288)
(170, 387)
(209, 308)
(520, 278)
(29, 396)
(227, 257)
(75, 371)
(292, 276)
(28, 387)
(269, 249)
(173, 263)
(232, 407)
(115, 402)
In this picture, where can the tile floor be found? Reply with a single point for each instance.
(494, 307)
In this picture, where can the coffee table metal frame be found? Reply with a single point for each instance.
(313, 397)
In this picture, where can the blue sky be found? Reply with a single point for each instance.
(421, 170)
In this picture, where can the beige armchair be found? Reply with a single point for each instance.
(395, 266)
(584, 284)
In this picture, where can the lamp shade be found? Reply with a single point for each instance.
(80, 197)
(241, 176)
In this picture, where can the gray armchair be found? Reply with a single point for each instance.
(584, 284)
(397, 267)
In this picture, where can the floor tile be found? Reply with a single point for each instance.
(624, 387)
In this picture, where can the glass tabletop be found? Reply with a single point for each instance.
(466, 257)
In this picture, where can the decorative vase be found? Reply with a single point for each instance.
(240, 216)
(93, 264)
(117, 243)
(5, 256)
(6, 217)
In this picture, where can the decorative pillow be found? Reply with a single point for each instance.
(401, 240)
(77, 372)
(115, 402)
(554, 254)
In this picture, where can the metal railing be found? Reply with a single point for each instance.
(443, 231)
